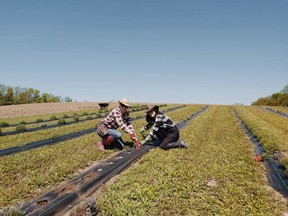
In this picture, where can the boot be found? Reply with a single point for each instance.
(119, 143)
(182, 144)
(177, 144)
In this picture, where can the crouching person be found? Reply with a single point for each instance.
(118, 117)
(164, 131)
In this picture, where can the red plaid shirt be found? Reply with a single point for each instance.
(117, 119)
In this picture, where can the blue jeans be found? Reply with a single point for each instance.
(115, 134)
(155, 142)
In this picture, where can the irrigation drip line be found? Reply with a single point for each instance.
(274, 111)
(89, 181)
(277, 177)
(53, 141)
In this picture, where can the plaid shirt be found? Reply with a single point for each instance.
(117, 119)
(161, 122)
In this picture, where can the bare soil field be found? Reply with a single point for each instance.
(45, 108)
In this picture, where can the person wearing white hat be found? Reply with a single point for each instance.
(164, 131)
(118, 117)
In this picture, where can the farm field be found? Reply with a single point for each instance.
(23, 110)
(216, 175)
(49, 165)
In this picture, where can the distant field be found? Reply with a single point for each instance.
(45, 108)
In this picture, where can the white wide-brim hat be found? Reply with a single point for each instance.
(124, 101)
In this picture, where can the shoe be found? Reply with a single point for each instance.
(119, 143)
(100, 146)
(182, 144)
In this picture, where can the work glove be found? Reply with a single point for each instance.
(135, 140)
(133, 136)
(137, 144)
(142, 129)
(145, 140)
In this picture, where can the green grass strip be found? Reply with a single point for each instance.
(215, 176)
(271, 130)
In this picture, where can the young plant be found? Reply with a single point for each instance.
(61, 122)
(53, 118)
(21, 128)
(39, 120)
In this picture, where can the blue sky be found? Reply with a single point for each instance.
(166, 51)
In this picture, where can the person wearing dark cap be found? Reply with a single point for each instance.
(164, 131)
(118, 117)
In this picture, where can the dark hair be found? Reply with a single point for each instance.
(156, 109)
(149, 118)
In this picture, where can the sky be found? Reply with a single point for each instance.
(160, 51)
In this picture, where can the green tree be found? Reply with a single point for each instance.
(276, 99)
(45, 98)
(9, 96)
(16, 95)
(68, 99)
(285, 90)
(23, 98)
(2, 93)
(36, 96)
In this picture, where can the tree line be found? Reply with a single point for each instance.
(277, 99)
(16, 95)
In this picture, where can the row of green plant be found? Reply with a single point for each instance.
(216, 175)
(278, 109)
(48, 117)
(271, 130)
(23, 138)
(32, 173)
(41, 118)
(62, 121)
